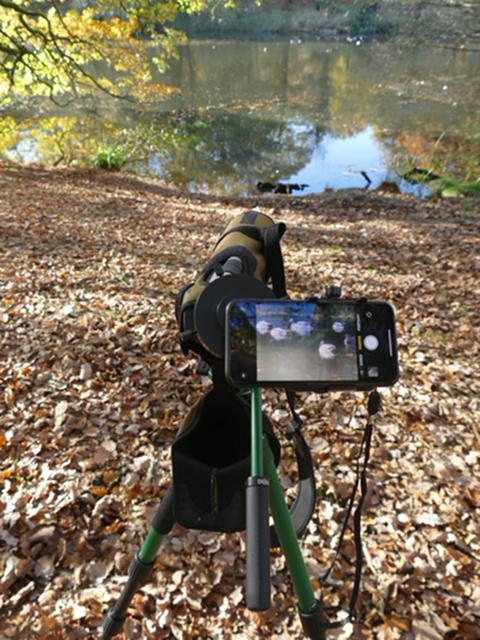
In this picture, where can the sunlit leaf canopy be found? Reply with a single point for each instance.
(48, 48)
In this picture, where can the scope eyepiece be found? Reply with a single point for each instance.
(233, 266)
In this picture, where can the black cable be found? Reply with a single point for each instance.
(373, 406)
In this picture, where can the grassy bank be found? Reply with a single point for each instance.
(406, 19)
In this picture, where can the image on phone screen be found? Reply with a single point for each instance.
(322, 344)
(294, 341)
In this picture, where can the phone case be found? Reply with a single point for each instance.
(320, 345)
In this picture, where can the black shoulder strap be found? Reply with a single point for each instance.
(273, 254)
(303, 506)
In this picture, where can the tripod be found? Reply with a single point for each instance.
(264, 494)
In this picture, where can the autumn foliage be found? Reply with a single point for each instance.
(52, 48)
(94, 387)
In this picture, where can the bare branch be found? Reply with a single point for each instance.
(32, 30)
(9, 51)
(21, 10)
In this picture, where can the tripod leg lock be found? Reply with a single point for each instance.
(314, 622)
(112, 625)
(140, 571)
(138, 574)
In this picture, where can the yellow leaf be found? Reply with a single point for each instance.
(99, 491)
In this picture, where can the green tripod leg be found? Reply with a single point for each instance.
(141, 566)
(310, 609)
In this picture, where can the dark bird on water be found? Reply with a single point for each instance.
(280, 187)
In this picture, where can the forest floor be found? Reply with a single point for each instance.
(94, 388)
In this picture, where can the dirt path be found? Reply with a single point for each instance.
(94, 387)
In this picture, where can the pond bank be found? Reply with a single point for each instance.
(448, 23)
(380, 201)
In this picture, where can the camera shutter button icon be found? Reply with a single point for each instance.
(371, 342)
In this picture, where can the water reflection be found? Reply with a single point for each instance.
(230, 153)
(307, 113)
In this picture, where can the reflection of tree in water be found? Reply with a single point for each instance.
(230, 152)
(278, 98)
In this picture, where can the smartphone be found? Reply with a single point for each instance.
(321, 345)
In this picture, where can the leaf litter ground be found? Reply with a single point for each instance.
(94, 388)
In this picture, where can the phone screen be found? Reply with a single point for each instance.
(308, 343)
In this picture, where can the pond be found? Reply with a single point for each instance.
(314, 115)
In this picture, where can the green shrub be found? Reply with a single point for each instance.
(112, 159)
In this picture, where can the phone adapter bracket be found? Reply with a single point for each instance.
(333, 291)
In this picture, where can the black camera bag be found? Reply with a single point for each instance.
(211, 462)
